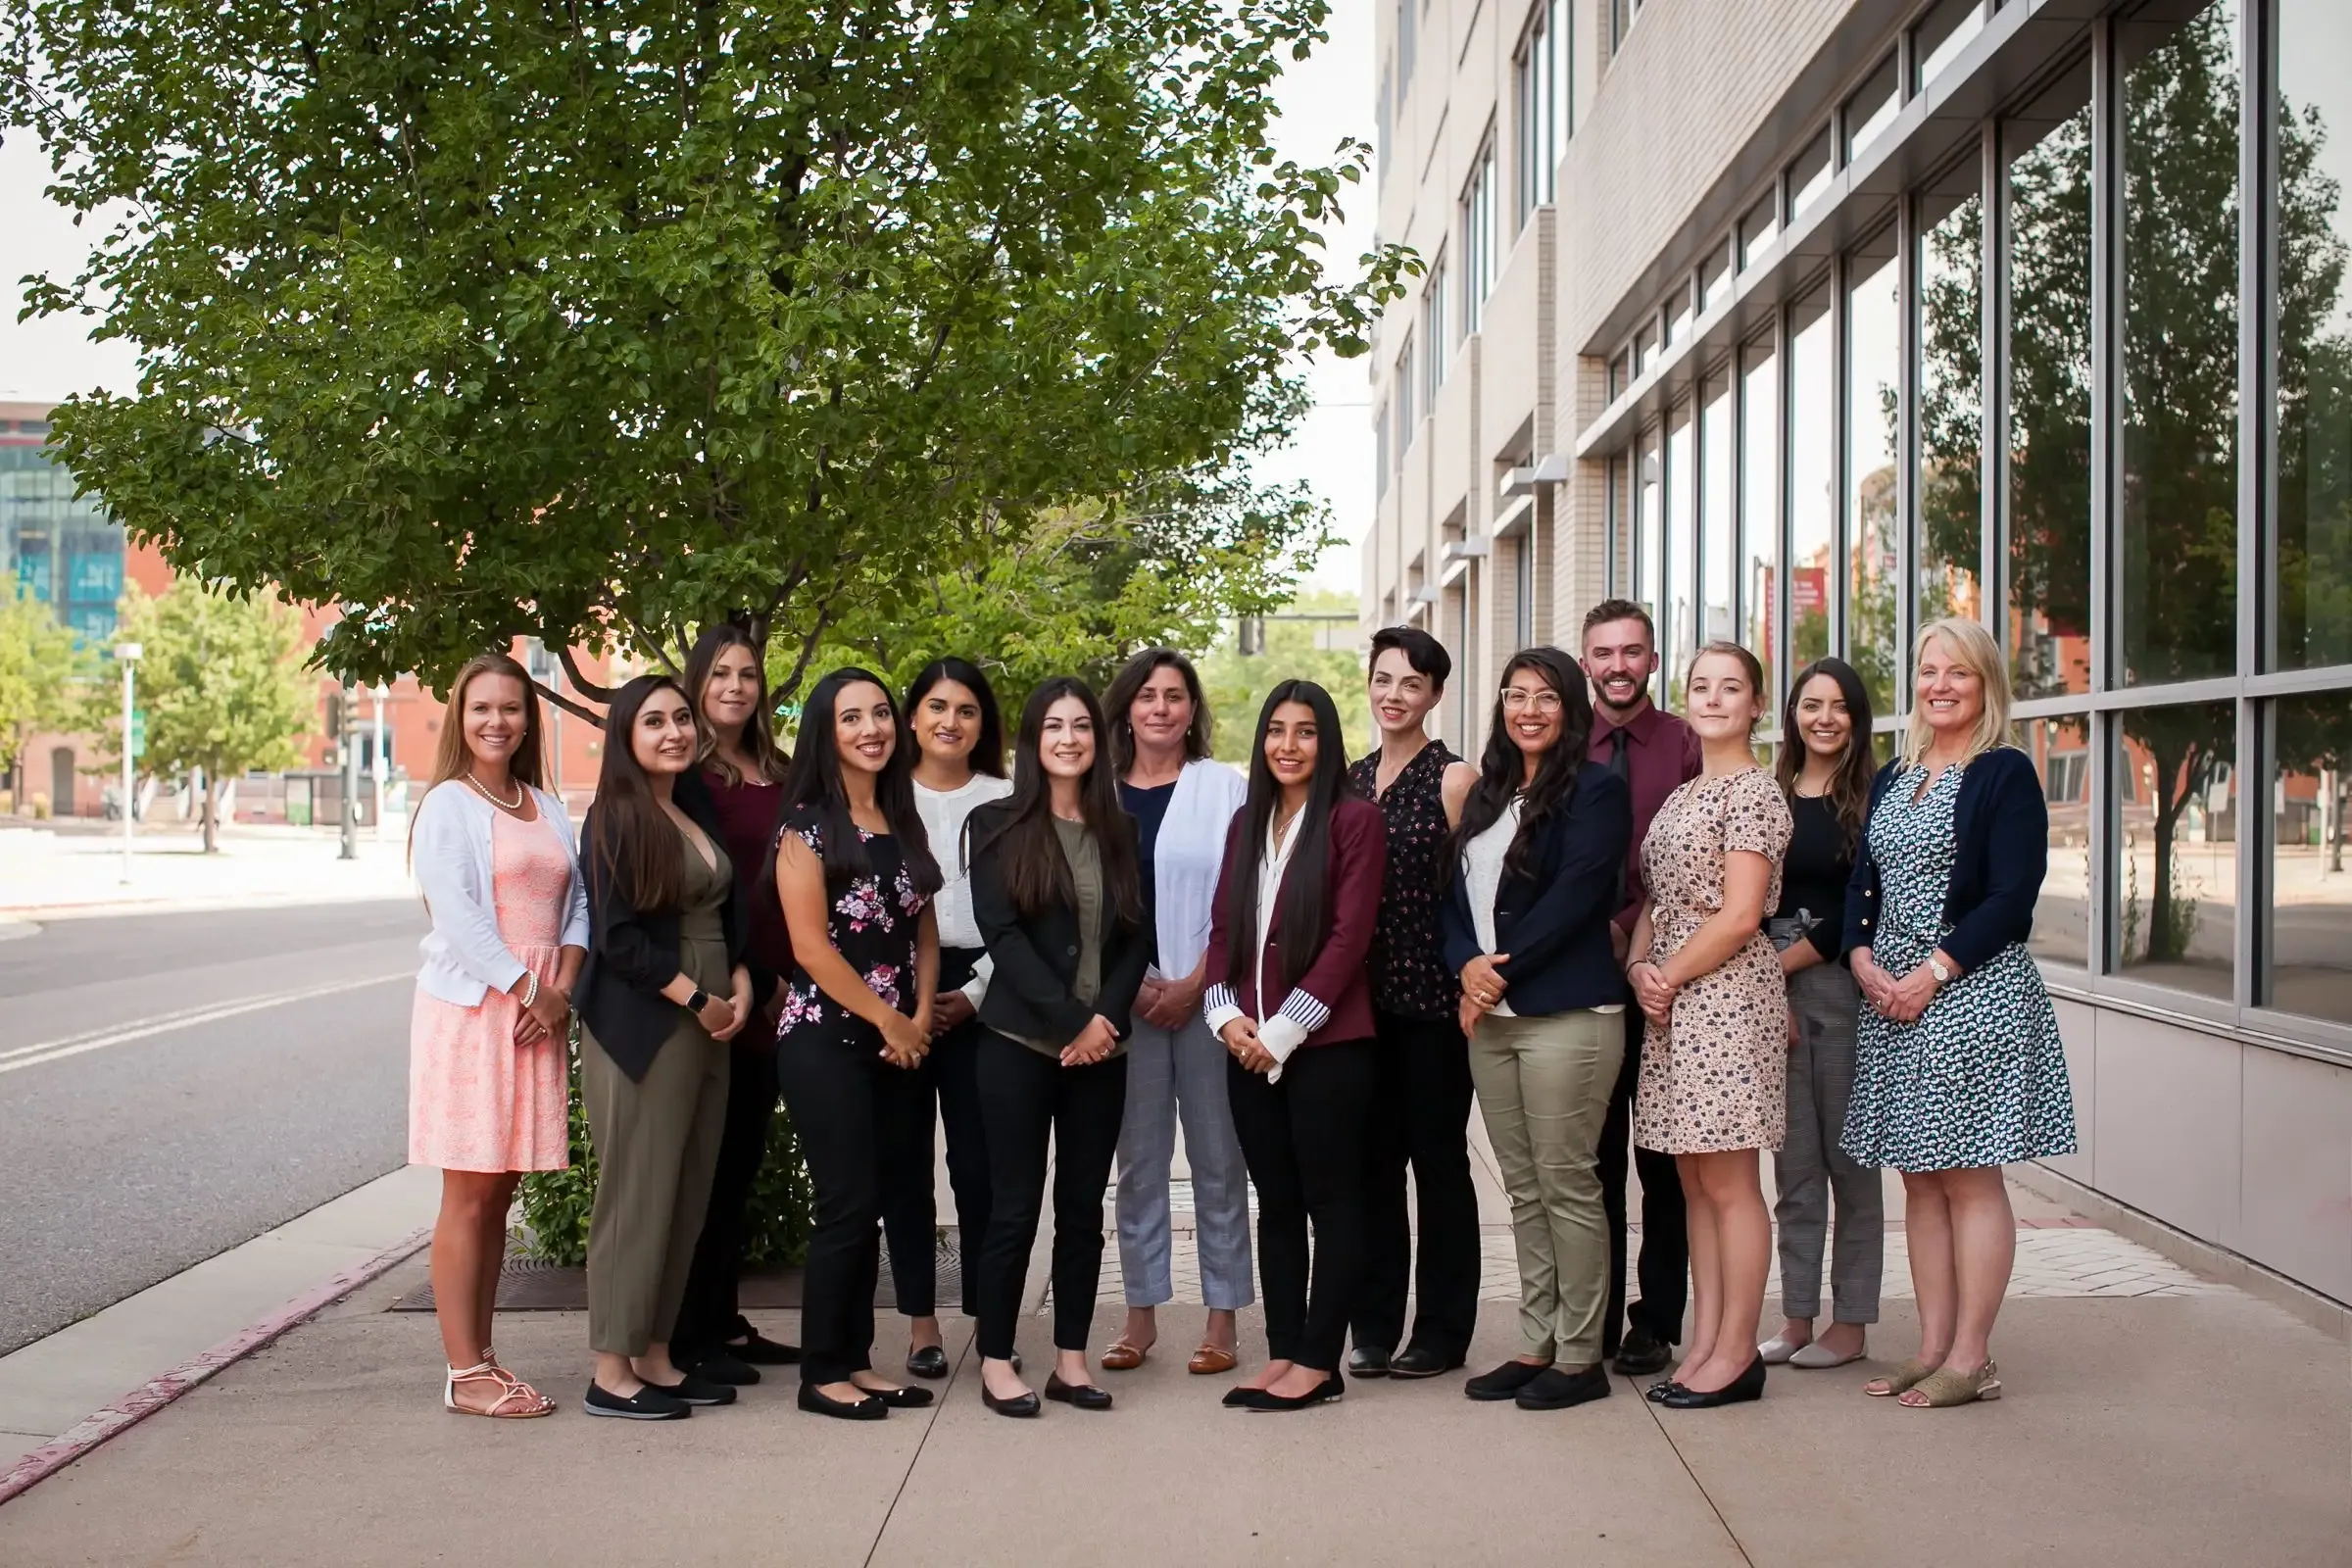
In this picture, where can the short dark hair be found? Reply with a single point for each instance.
(1424, 653)
(1609, 610)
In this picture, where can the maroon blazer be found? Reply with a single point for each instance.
(1333, 999)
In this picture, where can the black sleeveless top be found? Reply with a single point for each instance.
(1409, 976)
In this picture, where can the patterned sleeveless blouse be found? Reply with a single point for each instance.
(1409, 976)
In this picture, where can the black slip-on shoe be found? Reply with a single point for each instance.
(720, 1366)
(1416, 1361)
(1021, 1407)
(1504, 1382)
(1077, 1396)
(930, 1362)
(1330, 1391)
(1643, 1354)
(903, 1398)
(869, 1408)
(648, 1403)
(695, 1389)
(1556, 1389)
(1366, 1362)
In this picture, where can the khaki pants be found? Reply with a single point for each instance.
(656, 1147)
(1544, 1088)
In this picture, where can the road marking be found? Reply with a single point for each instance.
(186, 1018)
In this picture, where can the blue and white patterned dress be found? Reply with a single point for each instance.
(1979, 1078)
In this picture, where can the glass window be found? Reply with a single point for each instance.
(1620, 373)
(1941, 37)
(2049, 411)
(1759, 504)
(1434, 339)
(1645, 346)
(1951, 409)
(2311, 896)
(1759, 228)
(1717, 555)
(2061, 752)
(1381, 454)
(1874, 374)
(1872, 108)
(1713, 273)
(1478, 241)
(1812, 503)
(1676, 625)
(1613, 506)
(1678, 314)
(2315, 335)
(1649, 529)
(1404, 397)
(2177, 905)
(2177, 550)
(1809, 176)
(1523, 590)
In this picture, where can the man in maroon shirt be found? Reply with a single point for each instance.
(1655, 752)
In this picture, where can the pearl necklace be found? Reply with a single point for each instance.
(483, 790)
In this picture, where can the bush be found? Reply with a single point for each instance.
(557, 1204)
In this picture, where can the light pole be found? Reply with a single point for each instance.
(128, 656)
(381, 772)
(351, 773)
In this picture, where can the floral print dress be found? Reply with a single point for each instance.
(873, 921)
(1717, 1078)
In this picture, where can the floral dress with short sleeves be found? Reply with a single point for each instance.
(873, 921)
(1717, 1078)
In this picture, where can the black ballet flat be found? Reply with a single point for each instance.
(1238, 1399)
(869, 1408)
(931, 1362)
(1077, 1396)
(1656, 1392)
(902, 1398)
(1748, 1384)
(1021, 1407)
(1330, 1391)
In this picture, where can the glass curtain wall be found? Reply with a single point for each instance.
(1812, 476)
(1676, 625)
(1759, 459)
(1873, 364)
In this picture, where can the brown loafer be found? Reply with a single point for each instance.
(1209, 1360)
(1122, 1357)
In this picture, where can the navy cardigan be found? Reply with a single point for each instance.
(1554, 921)
(2001, 830)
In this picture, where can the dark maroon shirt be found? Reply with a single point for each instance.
(748, 816)
(1662, 754)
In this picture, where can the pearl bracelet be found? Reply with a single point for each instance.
(530, 990)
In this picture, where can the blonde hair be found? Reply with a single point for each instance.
(1974, 649)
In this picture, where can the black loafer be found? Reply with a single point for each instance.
(1077, 1396)
(1643, 1354)
(1504, 1382)
(648, 1403)
(902, 1398)
(695, 1389)
(1021, 1407)
(760, 1351)
(1748, 1384)
(931, 1362)
(721, 1366)
(1366, 1362)
(1556, 1389)
(1416, 1361)
(1656, 1392)
(1330, 1391)
(869, 1408)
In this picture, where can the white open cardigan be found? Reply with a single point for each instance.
(1187, 860)
(449, 854)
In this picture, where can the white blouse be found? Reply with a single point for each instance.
(1302, 1015)
(1482, 879)
(944, 813)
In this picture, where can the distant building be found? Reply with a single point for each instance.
(66, 551)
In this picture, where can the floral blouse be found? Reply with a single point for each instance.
(1409, 976)
(874, 921)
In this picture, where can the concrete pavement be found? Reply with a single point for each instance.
(47, 874)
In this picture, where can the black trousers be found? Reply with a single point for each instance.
(710, 1315)
(1028, 1099)
(1665, 1265)
(1421, 1117)
(1303, 1139)
(833, 1080)
(943, 1093)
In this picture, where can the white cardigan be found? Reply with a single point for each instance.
(1188, 860)
(449, 854)
(944, 813)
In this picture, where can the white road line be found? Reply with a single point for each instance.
(186, 1018)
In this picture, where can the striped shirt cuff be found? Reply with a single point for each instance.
(1305, 1011)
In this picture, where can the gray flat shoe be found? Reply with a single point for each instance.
(1813, 1357)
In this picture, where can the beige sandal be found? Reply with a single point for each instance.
(517, 1400)
(1907, 1375)
(1945, 1387)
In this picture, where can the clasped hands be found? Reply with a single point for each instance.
(1653, 992)
(1167, 1004)
(1240, 1039)
(1483, 988)
(1897, 1001)
(545, 1018)
(1095, 1043)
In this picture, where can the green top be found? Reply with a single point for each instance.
(1085, 856)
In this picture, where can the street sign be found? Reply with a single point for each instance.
(138, 732)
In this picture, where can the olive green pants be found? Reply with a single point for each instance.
(656, 1146)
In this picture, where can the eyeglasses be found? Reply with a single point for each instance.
(1518, 700)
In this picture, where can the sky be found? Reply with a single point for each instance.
(1322, 100)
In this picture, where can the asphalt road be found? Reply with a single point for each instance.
(172, 1086)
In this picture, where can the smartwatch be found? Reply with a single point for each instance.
(699, 1001)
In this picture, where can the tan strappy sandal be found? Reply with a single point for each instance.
(1946, 1386)
(1907, 1375)
(517, 1400)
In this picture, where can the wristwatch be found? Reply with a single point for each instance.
(1944, 976)
(699, 1001)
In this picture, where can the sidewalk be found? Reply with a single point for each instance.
(48, 875)
(2152, 1418)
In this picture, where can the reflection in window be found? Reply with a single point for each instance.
(1809, 176)
(1678, 314)
(2049, 412)
(2314, 338)
(1874, 358)
(2177, 544)
(1872, 108)
(1649, 529)
(2177, 831)
(1716, 558)
(1952, 411)
(2061, 752)
(1941, 36)
(1759, 508)
(1620, 373)
(1675, 628)
(2311, 893)
(1759, 228)
(1713, 273)
(1812, 417)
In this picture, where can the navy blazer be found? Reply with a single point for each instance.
(2001, 830)
(1554, 921)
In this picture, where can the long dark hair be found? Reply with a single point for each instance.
(1120, 699)
(631, 838)
(988, 751)
(1502, 766)
(1300, 916)
(1037, 873)
(1849, 784)
(815, 785)
(758, 731)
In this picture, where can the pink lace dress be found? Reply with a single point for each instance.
(476, 1099)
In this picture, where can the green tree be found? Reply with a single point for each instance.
(593, 322)
(38, 662)
(1319, 650)
(223, 683)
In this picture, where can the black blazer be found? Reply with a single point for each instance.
(632, 955)
(1555, 922)
(1036, 955)
(2001, 831)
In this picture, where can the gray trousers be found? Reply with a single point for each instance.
(657, 1147)
(1172, 1073)
(1811, 1166)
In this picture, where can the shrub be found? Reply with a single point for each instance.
(557, 1204)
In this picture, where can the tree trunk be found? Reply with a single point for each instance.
(212, 814)
(2172, 774)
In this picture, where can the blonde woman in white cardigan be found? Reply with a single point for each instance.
(495, 857)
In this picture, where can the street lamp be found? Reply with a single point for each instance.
(128, 656)
(350, 697)
(382, 773)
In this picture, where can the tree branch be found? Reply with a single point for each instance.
(571, 669)
(566, 704)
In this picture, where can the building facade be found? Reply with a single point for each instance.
(1805, 321)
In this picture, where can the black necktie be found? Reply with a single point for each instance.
(1621, 761)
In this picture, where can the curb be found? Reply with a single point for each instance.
(104, 1423)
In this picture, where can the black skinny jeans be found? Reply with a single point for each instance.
(1421, 1117)
(943, 1093)
(1026, 1098)
(710, 1314)
(1665, 1264)
(1303, 1139)
(832, 1077)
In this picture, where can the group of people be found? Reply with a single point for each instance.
(1618, 933)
